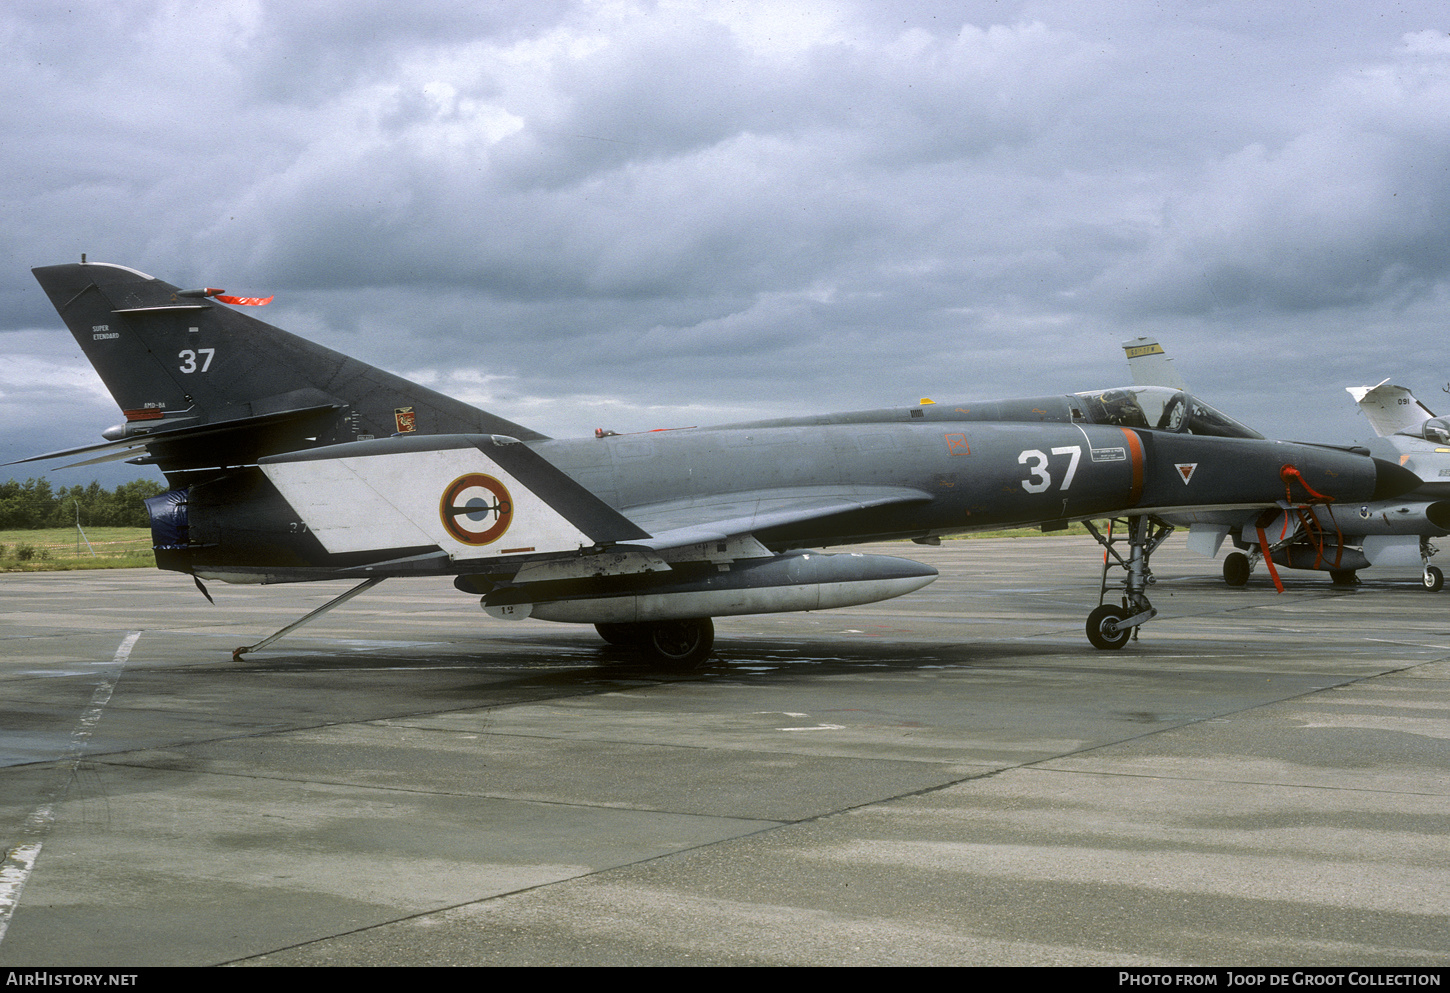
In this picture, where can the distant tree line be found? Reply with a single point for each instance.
(33, 504)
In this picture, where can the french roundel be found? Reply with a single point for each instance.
(476, 509)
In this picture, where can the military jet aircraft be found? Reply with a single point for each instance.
(1335, 537)
(1420, 442)
(291, 462)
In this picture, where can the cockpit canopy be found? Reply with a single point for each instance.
(1436, 429)
(1162, 409)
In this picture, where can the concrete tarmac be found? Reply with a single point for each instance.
(954, 777)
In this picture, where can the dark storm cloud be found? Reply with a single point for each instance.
(1349, 211)
(667, 161)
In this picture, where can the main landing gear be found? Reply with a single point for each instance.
(1432, 578)
(681, 644)
(1110, 625)
(1237, 567)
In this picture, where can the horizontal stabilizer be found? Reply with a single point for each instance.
(240, 441)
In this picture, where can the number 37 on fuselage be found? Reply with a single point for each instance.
(1040, 459)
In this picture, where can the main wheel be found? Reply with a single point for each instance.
(624, 635)
(1236, 569)
(1433, 579)
(1103, 630)
(1343, 577)
(679, 644)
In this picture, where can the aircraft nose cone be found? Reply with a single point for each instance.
(1391, 480)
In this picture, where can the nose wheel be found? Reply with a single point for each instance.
(1103, 627)
(1110, 626)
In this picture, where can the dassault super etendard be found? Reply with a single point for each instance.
(289, 462)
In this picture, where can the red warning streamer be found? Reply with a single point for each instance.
(1269, 561)
(1289, 474)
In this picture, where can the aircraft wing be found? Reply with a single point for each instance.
(1389, 409)
(494, 502)
(729, 515)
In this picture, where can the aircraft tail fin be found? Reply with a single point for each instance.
(1150, 365)
(180, 364)
(1390, 409)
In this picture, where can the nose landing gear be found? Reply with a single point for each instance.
(1111, 626)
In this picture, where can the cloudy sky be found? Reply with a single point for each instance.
(636, 215)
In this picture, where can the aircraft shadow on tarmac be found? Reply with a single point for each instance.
(562, 661)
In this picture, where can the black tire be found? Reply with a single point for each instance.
(624, 635)
(1343, 577)
(679, 644)
(1102, 630)
(1433, 579)
(1236, 569)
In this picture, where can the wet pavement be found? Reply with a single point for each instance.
(953, 777)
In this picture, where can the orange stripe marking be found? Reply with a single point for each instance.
(1135, 452)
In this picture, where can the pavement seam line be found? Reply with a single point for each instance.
(20, 861)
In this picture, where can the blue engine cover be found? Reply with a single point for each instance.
(170, 527)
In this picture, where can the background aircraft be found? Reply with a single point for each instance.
(1418, 440)
(1340, 537)
(290, 462)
